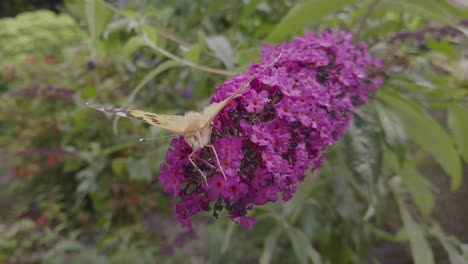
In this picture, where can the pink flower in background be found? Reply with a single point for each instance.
(41, 220)
(267, 138)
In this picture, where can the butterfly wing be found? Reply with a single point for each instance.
(211, 111)
(173, 123)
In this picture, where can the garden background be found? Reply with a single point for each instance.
(77, 186)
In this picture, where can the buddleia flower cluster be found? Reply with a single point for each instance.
(267, 137)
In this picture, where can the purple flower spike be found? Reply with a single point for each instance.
(278, 128)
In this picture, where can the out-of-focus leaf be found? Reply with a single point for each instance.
(420, 249)
(118, 165)
(297, 202)
(193, 54)
(77, 8)
(139, 170)
(427, 133)
(213, 244)
(98, 16)
(302, 246)
(249, 9)
(150, 75)
(89, 92)
(429, 9)
(103, 16)
(458, 123)
(364, 151)
(303, 15)
(419, 189)
(455, 256)
(222, 49)
(393, 129)
(131, 46)
(150, 32)
(87, 177)
(71, 165)
(269, 248)
(67, 245)
(441, 46)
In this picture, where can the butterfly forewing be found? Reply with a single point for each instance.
(173, 123)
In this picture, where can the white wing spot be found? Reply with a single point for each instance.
(121, 114)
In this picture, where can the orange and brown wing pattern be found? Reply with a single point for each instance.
(170, 122)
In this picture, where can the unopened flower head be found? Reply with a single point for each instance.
(278, 128)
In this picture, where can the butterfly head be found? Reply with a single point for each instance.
(198, 138)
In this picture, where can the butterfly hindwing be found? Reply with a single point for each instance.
(169, 122)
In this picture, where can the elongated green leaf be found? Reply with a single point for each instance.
(131, 46)
(249, 9)
(427, 133)
(152, 74)
(419, 189)
(302, 247)
(150, 33)
(103, 16)
(420, 249)
(458, 123)
(269, 248)
(222, 49)
(427, 9)
(98, 16)
(303, 15)
(394, 131)
(454, 254)
(193, 54)
(363, 151)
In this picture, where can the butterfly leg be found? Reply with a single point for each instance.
(211, 166)
(195, 165)
(217, 159)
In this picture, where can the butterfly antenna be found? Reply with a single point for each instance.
(242, 88)
(148, 139)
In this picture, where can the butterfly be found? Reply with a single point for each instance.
(195, 127)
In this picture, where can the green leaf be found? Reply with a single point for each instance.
(77, 8)
(193, 54)
(71, 165)
(303, 15)
(98, 16)
(458, 124)
(443, 47)
(430, 9)
(269, 248)
(420, 249)
(427, 133)
(89, 92)
(118, 165)
(302, 246)
(103, 16)
(152, 74)
(132, 45)
(419, 189)
(364, 151)
(139, 170)
(222, 49)
(455, 255)
(150, 33)
(249, 9)
(393, 130)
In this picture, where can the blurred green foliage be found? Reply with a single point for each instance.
(79, 187)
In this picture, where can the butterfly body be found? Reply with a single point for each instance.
(197, 134)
